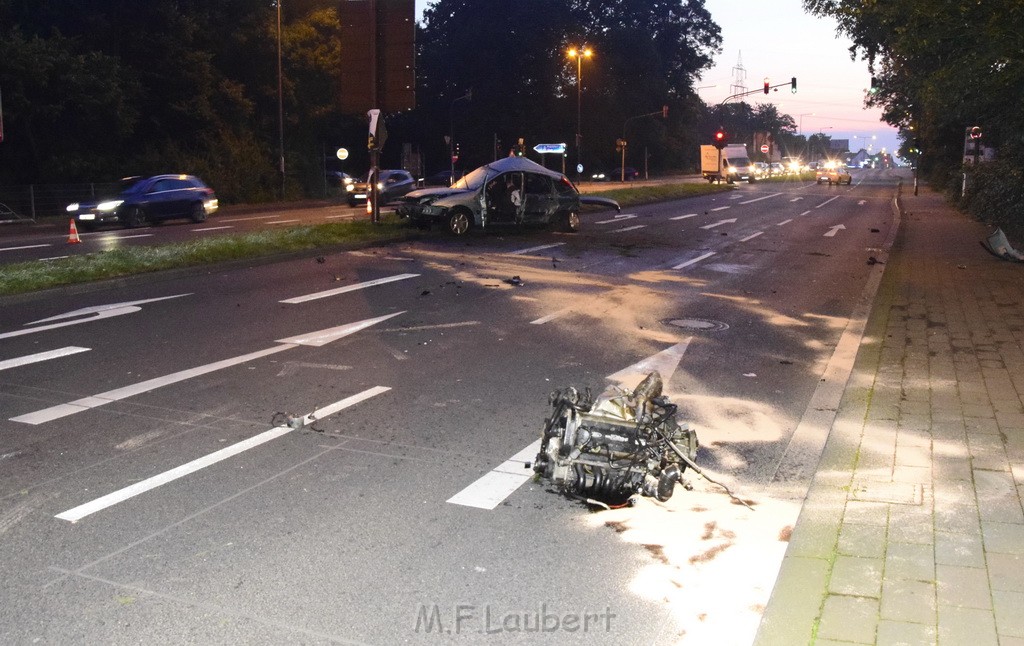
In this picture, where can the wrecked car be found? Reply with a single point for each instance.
(605, 450)
(509, 191)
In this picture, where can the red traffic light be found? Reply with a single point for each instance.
(720, 139)
(766, 87)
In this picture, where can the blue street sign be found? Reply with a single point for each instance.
(550, 149)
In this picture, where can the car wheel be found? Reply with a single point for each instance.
(198, 213)
(459, 222)
(134, 218)
(571, 222)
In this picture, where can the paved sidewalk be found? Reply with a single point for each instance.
(913, 529)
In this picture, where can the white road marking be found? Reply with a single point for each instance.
(98, 312)
(695, 260)
(784, 222)
(283, 221)
(833, 231)
(632, 228)
(501, 482)
(31, 246)
(683, 217)
(805, 213)
(862, 203)
(532, 249)
(617, 218)
(211, 229)
(78, 513)
(751, 237)
(255, 217)
(831, 199)
(719, 223)
(41, 356)
(315, 339)
(54, 258)
(550, 317)
(347, 288)
(796, 199)
(344, 216)
(116, 238)
(721, 208)
(758, 199)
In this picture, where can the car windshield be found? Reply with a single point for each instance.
(474, 180)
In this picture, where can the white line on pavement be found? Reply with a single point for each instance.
(683, 217)
(831, 199)
(283, 221)
(617, 218)
(784, 222)
(41, 356)
(796, 199)
(721, 208)
(111, 499)
(31, 246)
(212, 229)
(695, 260)
(550, 317)
(751, 237)
(501, 482)
(632, 228)
(532, 249)
(116, 238)
(348, 288)
(758, 199)
(255, 217)
(805, 213)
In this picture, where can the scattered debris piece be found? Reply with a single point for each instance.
(515, 280)
(999, 246)
(874, 261)
(321, 260)
(876, 230)
(425, 292)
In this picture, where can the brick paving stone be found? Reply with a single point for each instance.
(849, 618)
(1005, 538)
(1009, 615)
(856, 576)
(908, 600)
(1006, 571)
(902, 633)
(867, 541)
(963, 586)
(959, 549)
(967, 626)
(909, 561)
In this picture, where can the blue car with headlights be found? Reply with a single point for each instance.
(137, 201)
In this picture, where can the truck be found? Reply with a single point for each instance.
(733, 164)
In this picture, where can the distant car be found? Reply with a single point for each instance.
(509, 191)
(776, 168)
(629, 173)
(137, 201)
(760, 169)
(443, 178)
(601, 176)
(391, 184)
(833, 173)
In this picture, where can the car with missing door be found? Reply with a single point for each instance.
(509, 191)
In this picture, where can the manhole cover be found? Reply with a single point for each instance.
(706, 325)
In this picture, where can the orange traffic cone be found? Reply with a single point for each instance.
(73, 235)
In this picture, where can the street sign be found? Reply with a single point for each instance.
(764, 148)
(550, 149)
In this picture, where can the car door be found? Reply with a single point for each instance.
(159, 199)
(539, 199)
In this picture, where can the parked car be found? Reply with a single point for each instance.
(391, 184)
(629, 173)
(833, 173)
(509, 191)
(141, 200)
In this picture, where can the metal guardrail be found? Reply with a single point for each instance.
(34, 201)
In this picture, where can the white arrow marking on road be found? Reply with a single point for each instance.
(833, 231)
(831, 199)
(694, 261)
(683, 217)
(617, 218)
(348, 288)
(498, 484)
(718, 224)
(41, 356)
(111, 499)
(315, 339)
(532, 249)
(758, 199)
(98, 312)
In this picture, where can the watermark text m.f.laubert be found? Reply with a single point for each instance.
(490, 620)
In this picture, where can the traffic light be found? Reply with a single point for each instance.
(874, 85)
(664, 112)
(792, 85)
(766, 87)
(720, 139)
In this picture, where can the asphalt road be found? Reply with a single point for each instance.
(151, 490)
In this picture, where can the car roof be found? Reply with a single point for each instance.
(508, 164)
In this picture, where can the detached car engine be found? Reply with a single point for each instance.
(620, 444)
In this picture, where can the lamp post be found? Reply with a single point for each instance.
(579, 53)
(280, 101)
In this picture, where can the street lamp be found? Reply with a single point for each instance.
(800, 130)
(468, 96)
(579, 53)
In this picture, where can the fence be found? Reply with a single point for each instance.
(36, 201)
